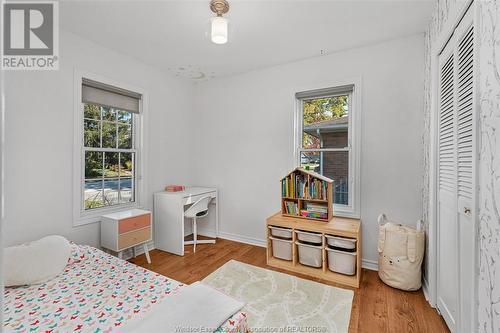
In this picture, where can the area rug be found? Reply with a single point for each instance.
(277, 302)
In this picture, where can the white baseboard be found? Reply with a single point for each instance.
(205, 232)
(369, 264)
(232, 237)
(425, 290)
(243, 239)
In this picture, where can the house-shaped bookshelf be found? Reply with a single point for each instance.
(307, 194)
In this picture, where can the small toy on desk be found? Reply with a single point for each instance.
(174, 188)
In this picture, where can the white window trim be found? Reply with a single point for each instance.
(80, 216)
(353, 209)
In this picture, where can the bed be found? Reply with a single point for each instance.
(96, 293)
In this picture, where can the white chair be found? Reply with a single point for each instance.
(197, 210)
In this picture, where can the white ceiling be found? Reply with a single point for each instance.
(173, 35)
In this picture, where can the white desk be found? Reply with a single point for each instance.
(168, 216)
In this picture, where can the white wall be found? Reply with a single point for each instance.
(244, 135)
(39, 138)
(237, 135)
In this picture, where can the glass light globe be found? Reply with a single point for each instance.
(219, 30)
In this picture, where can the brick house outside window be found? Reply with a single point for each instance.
(335, 165)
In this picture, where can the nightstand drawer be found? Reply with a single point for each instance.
(132, 238)
(134, 223)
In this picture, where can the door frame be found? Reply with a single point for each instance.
(430, 285)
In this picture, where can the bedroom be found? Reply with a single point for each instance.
(227, 99)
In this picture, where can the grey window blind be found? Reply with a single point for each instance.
(318, 93)
(106, 95)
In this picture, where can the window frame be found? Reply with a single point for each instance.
(354, 139)
(80, 215)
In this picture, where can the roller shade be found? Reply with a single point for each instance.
(318, 93)
(106, 95)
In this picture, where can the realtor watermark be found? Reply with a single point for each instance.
(30, 37)
(263, 329)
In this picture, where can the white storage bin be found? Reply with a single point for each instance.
(342, 242)
(341, 261)
(281, 232)
(282, 248)
(310, 237)
(310, 255)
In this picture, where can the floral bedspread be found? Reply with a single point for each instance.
(95, 293)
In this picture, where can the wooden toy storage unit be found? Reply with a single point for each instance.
(334, 226)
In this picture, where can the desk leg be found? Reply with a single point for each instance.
(217, 215)
(146, 252)
(120, 255)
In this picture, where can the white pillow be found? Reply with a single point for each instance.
(35, 262)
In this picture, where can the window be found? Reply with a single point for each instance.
(109, 156)
(325, 141)
(109, 146)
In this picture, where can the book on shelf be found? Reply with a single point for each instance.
(300, 186)
(315, 210)
(316, 215)
(320, 208)
(291, 208)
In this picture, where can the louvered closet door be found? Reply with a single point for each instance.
(456, 169)
(447, 227)
(466, 153)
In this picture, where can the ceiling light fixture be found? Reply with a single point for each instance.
(219, 23)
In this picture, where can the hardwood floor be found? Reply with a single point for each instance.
(376, 306)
